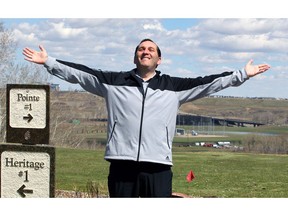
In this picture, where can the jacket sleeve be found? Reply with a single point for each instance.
(189, 89)
(89, 79)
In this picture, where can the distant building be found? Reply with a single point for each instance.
(180, 131)
(54, 87)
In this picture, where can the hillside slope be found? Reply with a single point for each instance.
(84, 105)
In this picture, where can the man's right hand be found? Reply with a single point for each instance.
(39, 57)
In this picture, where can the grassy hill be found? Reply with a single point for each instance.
(76, 118)
(267, 111)
(84, 105)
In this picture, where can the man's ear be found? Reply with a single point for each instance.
(159, 61)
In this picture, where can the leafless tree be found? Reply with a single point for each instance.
(13, 72)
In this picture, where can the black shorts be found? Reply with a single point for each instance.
(139, 179)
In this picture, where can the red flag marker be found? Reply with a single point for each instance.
(190, 176)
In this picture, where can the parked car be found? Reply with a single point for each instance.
(194, 133)
(208, 145)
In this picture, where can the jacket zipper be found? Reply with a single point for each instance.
(167, 137)
(112, 132)
(141, 121)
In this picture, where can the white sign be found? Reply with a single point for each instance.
(25, 174)
(27, 108)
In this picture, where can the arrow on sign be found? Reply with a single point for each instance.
(29, 117)
(22, 191)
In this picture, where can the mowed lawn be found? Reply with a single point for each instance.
(218, 173)
(230, 174)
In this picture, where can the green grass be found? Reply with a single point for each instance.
(262, 129)
(75, 168)
(237, 139)
(218, 173)
(227, 174)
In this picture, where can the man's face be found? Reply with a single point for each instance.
(146, 55)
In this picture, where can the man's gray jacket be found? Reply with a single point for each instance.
(142, 115)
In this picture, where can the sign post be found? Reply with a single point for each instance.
(28, 114)
(27, 171)
(28, 165)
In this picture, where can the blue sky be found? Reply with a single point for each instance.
(191, 47)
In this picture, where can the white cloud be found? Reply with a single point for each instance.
(238, 35)
(280, 72)
(24, 37)
(155, 26)
(66, 32)
(210, 46)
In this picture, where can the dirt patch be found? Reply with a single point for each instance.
(75, 194)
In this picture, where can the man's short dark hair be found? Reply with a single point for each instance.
(147, 39)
